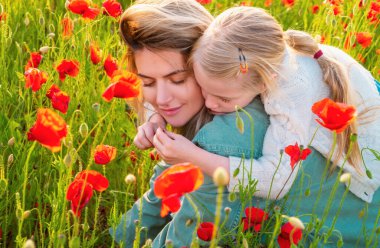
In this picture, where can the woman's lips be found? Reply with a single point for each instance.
(170, 111)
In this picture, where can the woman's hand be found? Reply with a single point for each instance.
(144, 137)
(173, 148)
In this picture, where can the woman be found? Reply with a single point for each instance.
(160, 35)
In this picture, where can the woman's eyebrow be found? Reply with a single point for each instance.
(167, 75)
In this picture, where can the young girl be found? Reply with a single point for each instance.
(245, 53)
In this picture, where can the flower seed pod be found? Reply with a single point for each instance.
(129, 179)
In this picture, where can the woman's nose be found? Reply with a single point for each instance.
(164, 95)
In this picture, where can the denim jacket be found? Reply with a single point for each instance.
(220, 136)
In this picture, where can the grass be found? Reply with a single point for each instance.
(33, 180)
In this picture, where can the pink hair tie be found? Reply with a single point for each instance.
(318, 54)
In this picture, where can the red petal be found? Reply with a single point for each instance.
(170, 204)
(205, 230)
(96, 179)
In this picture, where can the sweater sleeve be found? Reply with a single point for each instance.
(289, 108)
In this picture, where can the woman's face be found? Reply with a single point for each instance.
(168, 85)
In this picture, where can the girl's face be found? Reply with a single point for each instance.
(222, 95)
(168, 85)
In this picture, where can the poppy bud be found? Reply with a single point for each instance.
(227, 210)
(339, 243)
(129, 179)
(44, 49)
(345, 178)
(51, 35)
(42, 20)
(26, 214)
(29, 244)
(96, 107)
(83, 130)
(148, 243)
(67, 160)
(10, 159)
(75, 242)
(220, 177)
(369, 173)
(296, 223)
(11, 141)
(189, 222)
(26, 20)
(231, 197)
(239, 123)
(169, 244)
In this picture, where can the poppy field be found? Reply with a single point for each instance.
(68, 166)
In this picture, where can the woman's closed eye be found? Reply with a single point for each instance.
(146, 83)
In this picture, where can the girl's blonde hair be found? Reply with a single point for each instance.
(263, 42)
(165, 25)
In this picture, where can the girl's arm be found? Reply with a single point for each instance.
(174, 148)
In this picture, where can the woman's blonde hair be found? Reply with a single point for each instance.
(162, 25)
(263, 42)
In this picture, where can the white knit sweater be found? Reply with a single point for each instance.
(300, 85)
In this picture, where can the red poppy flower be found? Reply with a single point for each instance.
(174, 182)
(337, 10)
(154, 156)
(34, 60)
(315, 9)
(96, 179)
(34, 78)
(204, 1)
(133, 156)
(254, 218)
(68, 27)
(364, 39)
(124, 85)
(95, 53)
(48, 130)
(59, 99)
(374, 12)
(333, 115)
(288, 3)
(296, 154)
(289, 235)
(82, 7)
(68, 67)
(348, 43)
(112, 8)
(104, 154)
(268, 3)
(3, 16)
(79, 193)
(361, 58)
(110, 65)
(205, 230)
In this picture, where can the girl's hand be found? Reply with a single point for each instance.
(173, 148)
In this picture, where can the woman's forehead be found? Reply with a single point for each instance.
(160, 62)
